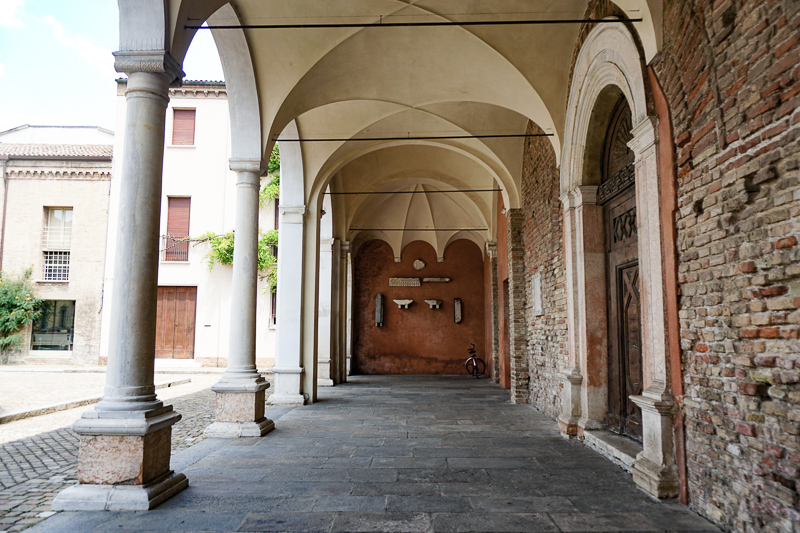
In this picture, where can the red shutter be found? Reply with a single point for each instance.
(183, 126)
(178, 211)
(178, 216)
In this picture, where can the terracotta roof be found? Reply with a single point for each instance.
(57, 150)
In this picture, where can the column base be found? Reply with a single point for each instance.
(240, 413)
(658, 481)
(89, 497)
(568, 428)
(234, 430)
(287, 399)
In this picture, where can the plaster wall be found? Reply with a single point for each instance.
(417, 340)
(31, 189)
(502, 296)
(201, 171)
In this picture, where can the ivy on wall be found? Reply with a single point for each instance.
(222, 245)
(19, 306)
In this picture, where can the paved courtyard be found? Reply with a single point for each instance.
(399, 454)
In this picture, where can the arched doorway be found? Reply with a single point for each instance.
(617, 195)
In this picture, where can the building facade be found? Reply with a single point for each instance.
(628, 176)
(55, 209)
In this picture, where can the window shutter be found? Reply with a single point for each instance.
(183, 126)
(178, 216)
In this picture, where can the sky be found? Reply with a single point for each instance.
(56, 67)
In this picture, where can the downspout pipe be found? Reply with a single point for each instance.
(4, 158)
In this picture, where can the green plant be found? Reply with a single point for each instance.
(222, 252)
(19, 306)
(271, 190)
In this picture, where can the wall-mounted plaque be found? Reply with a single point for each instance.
(457, 313)
(419, 264)
(379, 310)
(403, 304)
(434, 304)
(536, 294)
(436, 280)
(404, 282)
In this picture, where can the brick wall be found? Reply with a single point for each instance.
(517, 301)
(729, 70)
(547, 348)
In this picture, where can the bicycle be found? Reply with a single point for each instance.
(475, 365)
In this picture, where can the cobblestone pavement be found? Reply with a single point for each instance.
(38, 456)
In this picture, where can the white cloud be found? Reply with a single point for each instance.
(90, 51)
(11, 13)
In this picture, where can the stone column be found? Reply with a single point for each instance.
(520, 376)
(655, 469)
(288, 358)
(491, 251)
(241, 389)
(124, 454)
(590, 259)
(571, 378)
(325, 376)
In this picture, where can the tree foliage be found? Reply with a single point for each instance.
(19, 306)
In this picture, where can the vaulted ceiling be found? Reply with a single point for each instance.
(348, 83)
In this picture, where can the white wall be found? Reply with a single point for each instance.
(200, 171)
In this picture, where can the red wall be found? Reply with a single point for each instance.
(417, 340)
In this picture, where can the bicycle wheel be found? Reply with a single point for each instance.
(480, 368)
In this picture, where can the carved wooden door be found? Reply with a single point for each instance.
(175, 322)
(617, 193)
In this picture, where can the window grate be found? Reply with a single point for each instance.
(56, 266)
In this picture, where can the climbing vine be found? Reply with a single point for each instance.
(19, 306)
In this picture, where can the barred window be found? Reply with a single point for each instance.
(56, 266)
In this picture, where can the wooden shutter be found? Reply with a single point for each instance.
(183, 126)
(178, 210)
(178, 216)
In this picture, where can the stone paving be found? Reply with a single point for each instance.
(399, 453)
(38, 456)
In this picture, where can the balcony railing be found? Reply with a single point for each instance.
(57, 238)
(174, 248)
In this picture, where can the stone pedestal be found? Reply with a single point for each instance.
(570, 402)
(654, 469)
(287, 385)
(240, 414)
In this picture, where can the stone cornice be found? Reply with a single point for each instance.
(198, 92)
(154, 61)
(57, 175)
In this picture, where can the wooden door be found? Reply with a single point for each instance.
(617, 194)
(175, 324)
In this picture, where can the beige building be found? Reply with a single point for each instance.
(55, 208)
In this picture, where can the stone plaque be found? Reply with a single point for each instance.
(403, 304)
(536, 294)
(419, 264)
(434, 304)
(404, 282)
(379, 310)
(457, 311)
(436, 280)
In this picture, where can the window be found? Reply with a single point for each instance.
(175, 243)
(55, 329)
(56, 243)
(183, 126)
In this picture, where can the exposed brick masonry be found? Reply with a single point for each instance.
(520, 378)
(730, 71)
(547, 347)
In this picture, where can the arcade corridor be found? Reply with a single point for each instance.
(400, 453)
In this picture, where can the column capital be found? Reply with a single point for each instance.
(585, 195)
(491, 249)
(248, 165)
(151, 61)
(345, 247)
(645, 135)
(567, 200)
(292, 214)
